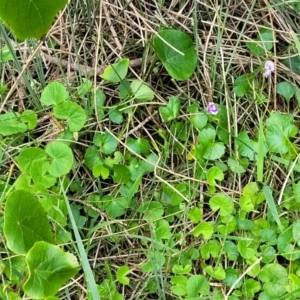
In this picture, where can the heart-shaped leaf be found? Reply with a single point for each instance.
(116, 72)
(25, 222)
(30, 18)
(177, 53)
(72, 112)
(49, 268)
(54, 93)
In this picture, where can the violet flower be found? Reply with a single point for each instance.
(212, 108)
(269, 68)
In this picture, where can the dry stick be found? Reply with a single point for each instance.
(87, 70)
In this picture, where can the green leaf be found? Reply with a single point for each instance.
(217, 272)
(5, 54)
(199, 120)
(286, 89)
(25, 222)
(121, 174)
(213, 174)
(250, 288)
(181, 270)
(246, 249)
(215, 151)
(138, 146)
(222, 203)
(115, 207)
(197, 284)
(116, 72)
(28, 156)
(54, 93)
(171, 111)
(176, 51)
(293, 63)
(205, 229)
(99, 107)
(122, 275)
(106, 142)
(62, 158)
(115, 115)
(11, 124)
(73, 113)
(210, 250)
(92, 157)
(275, 277)
(85, 87)
(100, 170)
(141, 91)
(49, 269)
(30, 117)
(243, 85)
(152, 210)
(262, 43)
(280, 128)
(30, 19)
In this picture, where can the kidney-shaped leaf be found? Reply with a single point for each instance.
(62, 158)
(223, 203)
(116, 72)
(30, 18)
(73, 113)
(11, 124)
(177, 53)
(25, 222)
(49, 268)
(141, 91)
(54, 93)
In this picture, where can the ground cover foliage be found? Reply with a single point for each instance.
(131, 171)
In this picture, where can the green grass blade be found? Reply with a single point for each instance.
(272, 205)
(260, 155)
(83, 257)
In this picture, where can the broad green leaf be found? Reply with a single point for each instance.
(115, 115)
(215, 151)
(179, 284)
(197, 284)
(286, 89)
(231, 250)
(286, 245)
(213, 174)
(11, 124)
(121, 174)
(28, 156)
(245, 145)
(100, 170)
(247, 249)
(30, 18)
(73, 113)
(54, 93)
(205, 229)
(236, 166)
(5, 54)
(232, 276)
(152, 210)
(222, 203)
(141, 91)
(92, 157)
(293, 63)
(250, 288)
(106, 142)
(181, 270)
(170, 111)
(30, 117)
(62, 158)
(195, 215)
(49, 269)
(115, 206)
(116, 72)
(122, 275)
(274, 277)
(138, 146)
(162, 231)
(262, 43)
(25, 222)
(210, 250)
(243, 85)
(199, 120)
(217, 272)
(280, 128)
(176, 51)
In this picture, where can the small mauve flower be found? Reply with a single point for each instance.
(269, 68)
(212, 108)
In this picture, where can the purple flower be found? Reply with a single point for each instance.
(212, 108)
(269, 68)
